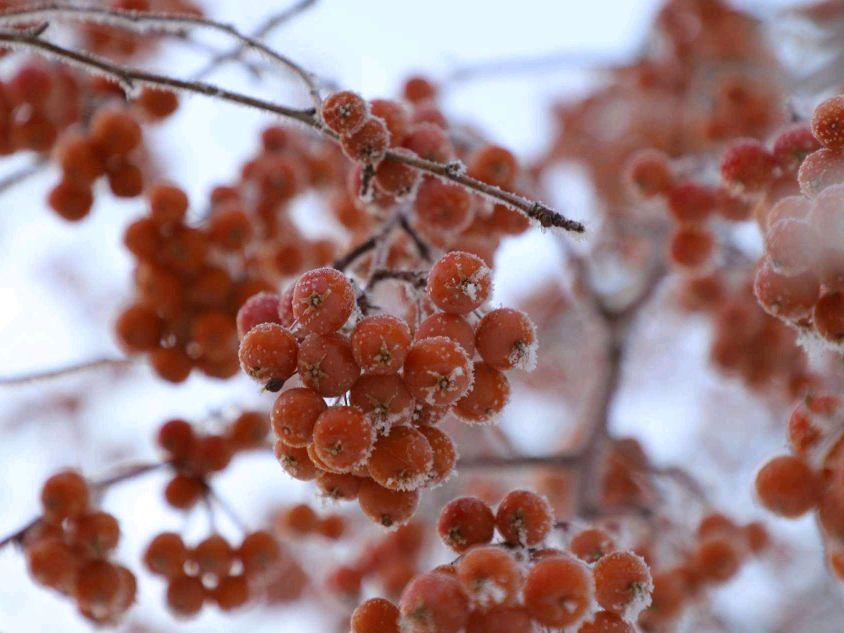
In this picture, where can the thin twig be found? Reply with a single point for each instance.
(67, 370)
(22, 173)
(132, 78)
(227, 510)
(167, 22)
(270, 24)
(125, 474)
(351, 257)
(421, 246)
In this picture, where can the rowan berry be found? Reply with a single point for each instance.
(437, 371)
(385, 400)
(493, 165)
(451, 326)
(649, 173)
(294, 414)
(787, 486)
(828, 316)
(623, 583)
(433, 602)
(395, 116)
(444, 454)
(486, 398)
(380, 344)
(71, 199)
(327, 364)
(376, 615)
(443, 206)
(114, 131)
(401, 460)
(387, 507)
(464, 522)
(183, 491)
(268, 352)
(323, 300)
(258, 552)
(185, 595)
(691, 246)
(459, 283)
(166, 555)
(96, 534)
(64, 495)
(296, 462)
(524, 517)
(591, 544)
(344, 112)
(506, 338)
(489, 575)
(343, 437)
(559, 591)
(367, 144)
(828, 123)
(746, 163)
(430, 142)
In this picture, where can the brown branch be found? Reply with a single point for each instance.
(421, 246)
(415, 278)
(126, 473)
(167, 22)
(67, 370)
(360, 250)
(133, 78)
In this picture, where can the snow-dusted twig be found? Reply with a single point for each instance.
(67, 370)
(150, 21)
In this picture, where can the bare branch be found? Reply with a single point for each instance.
(149, 21)
(67, 370)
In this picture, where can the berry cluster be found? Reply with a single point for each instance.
(391, 561)
(747, 342)
(812, 476)
(69, 550)
(683, 97)
(187, 298)
(519, 583)
(800, 278)
(109, 148)
(194, 457)
(212, 570)
(446, 214)
(381, 447)
(714, 557)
